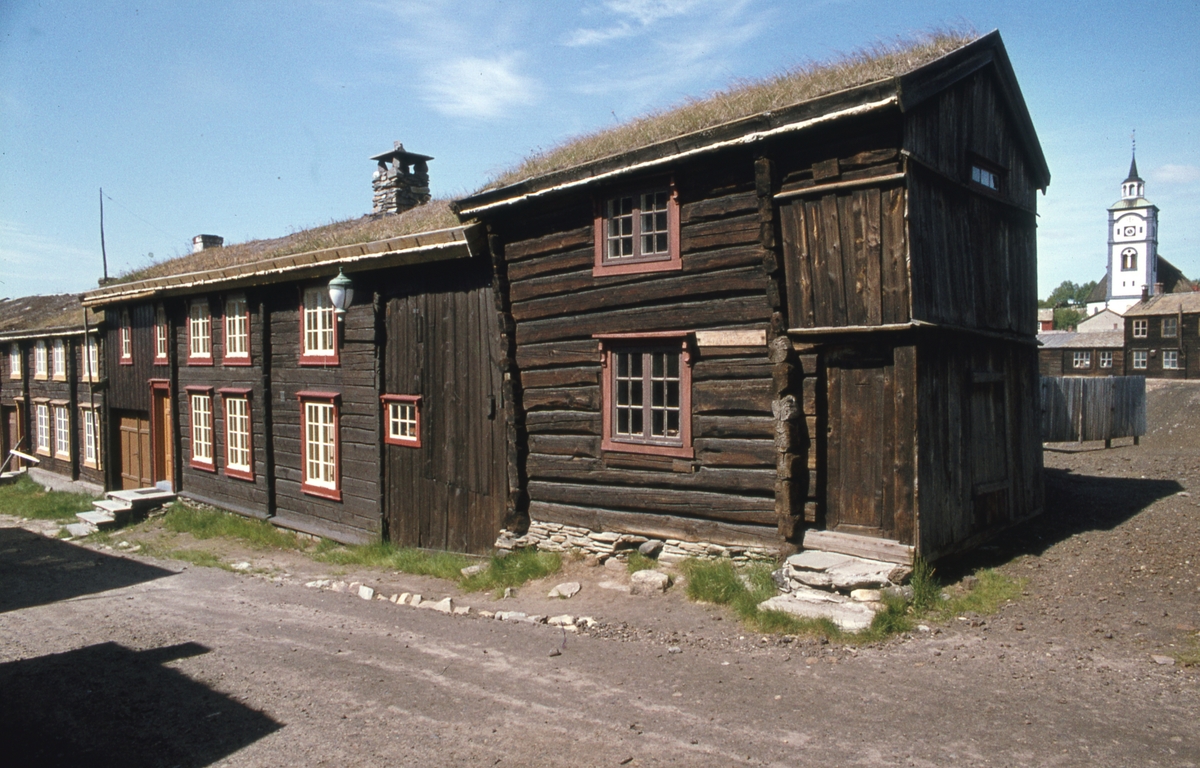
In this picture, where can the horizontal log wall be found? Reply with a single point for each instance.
(127, 387)
(727, 493)
(1061, 362)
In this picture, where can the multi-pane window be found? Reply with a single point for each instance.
(1106, 359)
(237, 331)
(126, 357)
(403, 419)
(91, 453)
(62, 432)
(238, 456)
(1170, 327)
(1170, 359)
(58, 360)
(160, 336)
(91, 358)
(647, 397)
(1139, 359)
(14, 361)
(1140, 328)
(199, 332)
(39, 360)
(638, 232)
(1083, 360)
(202, 429)
(320, 427)
(318, 336)
(985, 178)
(42, 428)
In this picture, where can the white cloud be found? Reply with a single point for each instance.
(633, 17)
(478, 88)
(1175, 174)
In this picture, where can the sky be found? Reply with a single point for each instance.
(257, 119)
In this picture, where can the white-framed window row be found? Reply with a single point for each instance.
(58, 360)
(62, 432)
(1082, 359)
(14, 361)
(39, 360)
(318, 328)
(199, 333)
(200, 400)
(41, 434)
(1140, 357)
(1106, 359)
(239, 450)
(319, 429)
(237, 331)
(91, 436)
(1170, 359)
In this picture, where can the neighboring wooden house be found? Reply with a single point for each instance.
(1095, 353)
(51, 396)
(771, 331)
(1162, 337)
(1104, 320)
(238, 383)
(1045, 319)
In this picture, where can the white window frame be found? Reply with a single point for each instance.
(237, 329)
(14, 361)
(403, 420)
(161, 336)
(1170, 360)
(91, 359)
(126, 357)
(42, 428)
(320, 445)
(1141, 327)
(202, 428)
(58, 360)
(199, 332)
(62, 432)
(39, 359)
(1140, 358)
(1082, 359)
(91, 432)
(1170, 327)
(318, 327)
(1106, 359)
(239, 448)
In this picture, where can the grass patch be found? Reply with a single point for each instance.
(443, 565)
(1189, 654)
(207, 524)
(639, 562)
(514, 570)
(25, 498)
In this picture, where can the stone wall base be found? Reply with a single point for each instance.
(554, 537)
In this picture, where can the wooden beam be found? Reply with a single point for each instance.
(885, 550)
(821, 189)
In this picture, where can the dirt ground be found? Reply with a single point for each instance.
(110, 658)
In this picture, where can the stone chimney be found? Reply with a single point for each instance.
(401, 181)
(1159, 289)
(1145, 292)
(204, 242)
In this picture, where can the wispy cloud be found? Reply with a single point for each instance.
(478, 88)
(1175, 174)
(631, 17)
(37, 264)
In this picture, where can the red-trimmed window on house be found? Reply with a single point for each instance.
(239, 452)
(237, 331)
(318, 329)
(200, 399)
(319, 442)
(126, 356)
(199, 333)
(647, 394)
(161, 335)
(403, 415)
(637, 231)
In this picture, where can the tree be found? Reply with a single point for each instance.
(1068, 294)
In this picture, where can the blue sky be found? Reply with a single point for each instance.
(254, 120)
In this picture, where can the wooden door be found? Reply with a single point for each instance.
(163, 445)
(134, 431)
(870, 442)
(9, 439)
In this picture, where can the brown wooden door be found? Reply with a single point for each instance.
(163, 445)
(135, 469)
(870, 442)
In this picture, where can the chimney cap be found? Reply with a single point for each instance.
(398, 152)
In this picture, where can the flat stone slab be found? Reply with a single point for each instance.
(816, 560)
(829, 570)
(815, 604)
(79, 530)
(649, 582)
(567, 589)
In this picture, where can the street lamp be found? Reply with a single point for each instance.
(341, 293)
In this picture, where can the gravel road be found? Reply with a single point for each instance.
(121, 660)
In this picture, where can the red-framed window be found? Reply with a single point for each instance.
(126, 356)
(320, 446)
(637, 231)
(402, 420)
(318, 328)
(647, 393)
(199, 333)
(161, 336)
(237, 331)
(200, 402)
(239, 441)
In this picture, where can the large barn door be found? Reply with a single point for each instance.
(447, 489)
(869, 442)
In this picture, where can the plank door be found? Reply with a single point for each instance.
(134, 435)
(11, 438)
(870, 442)
(162, 443)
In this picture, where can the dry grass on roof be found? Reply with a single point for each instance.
(426, 218)
(745, 98)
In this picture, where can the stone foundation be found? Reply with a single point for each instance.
(554, 537)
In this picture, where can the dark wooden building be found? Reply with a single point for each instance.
(236, 381)
(1091, 353)
(51, 397)
(812, 326)
(1162, 337)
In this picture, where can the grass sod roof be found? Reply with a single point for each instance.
(432, 216)
(30, 316)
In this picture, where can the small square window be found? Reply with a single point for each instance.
(1140, 328)
(1139, 359)
(638, 231)
(403, 414)
(1170, 327)
(1083, 360)
(1170, 359)
(1106, 359)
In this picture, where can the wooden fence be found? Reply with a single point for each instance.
(1078, 408)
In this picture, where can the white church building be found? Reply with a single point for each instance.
(1134, 265)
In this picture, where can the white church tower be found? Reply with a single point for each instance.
(1132, 244)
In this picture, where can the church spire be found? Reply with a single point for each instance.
(1133, 187)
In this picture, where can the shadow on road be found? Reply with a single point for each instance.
(108, 705)
(1074, 504)
(36, 570)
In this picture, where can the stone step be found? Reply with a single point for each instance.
(808, 603)
(842, 573)
(80, 529)
(142, 500)
(101, 519)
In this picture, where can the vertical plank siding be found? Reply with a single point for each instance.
(1077, 408)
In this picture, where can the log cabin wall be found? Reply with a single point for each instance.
(127, 379)
(356, 517)
(1059, 361)
(726, 492)
(1186, 344)
(448, 488)
(53, 393)
(236, 492)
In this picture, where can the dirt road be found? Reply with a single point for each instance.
(108, 660)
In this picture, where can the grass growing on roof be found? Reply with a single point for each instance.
(25, 498)
(744, 98)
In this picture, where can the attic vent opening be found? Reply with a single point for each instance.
(401, 181)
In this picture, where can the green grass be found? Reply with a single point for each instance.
(25, 498)
(639, 562)
(719, 582)
(1189, 654)
(207, 524)
(514, 570)
(443, 565)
